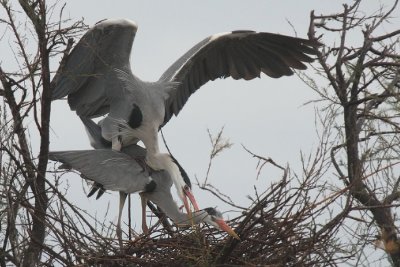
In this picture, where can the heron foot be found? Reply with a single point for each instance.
(117, 144)
(145, 167)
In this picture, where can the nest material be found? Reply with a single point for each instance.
(278, 230)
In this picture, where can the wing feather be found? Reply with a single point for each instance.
(240, 55)
(114, 170)
(89, 69)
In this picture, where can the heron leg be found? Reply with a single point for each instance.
(122, 198)
(143, 199)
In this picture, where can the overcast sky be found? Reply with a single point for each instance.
(266, 115)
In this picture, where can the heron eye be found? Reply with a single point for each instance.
(186, 188)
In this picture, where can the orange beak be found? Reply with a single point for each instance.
(222, 224)
(188, 193)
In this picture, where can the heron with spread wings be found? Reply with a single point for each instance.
(98, 80)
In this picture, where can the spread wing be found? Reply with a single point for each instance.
(114, 170)
(238, 54)
(88, 69)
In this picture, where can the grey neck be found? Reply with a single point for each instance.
(182, 219)
(165, 201)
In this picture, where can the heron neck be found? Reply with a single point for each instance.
(162, 161)
(182, 218)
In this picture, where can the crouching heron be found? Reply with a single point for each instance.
(123, 172)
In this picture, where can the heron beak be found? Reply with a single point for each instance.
(225, 227)
(188, 193)
(187, 206)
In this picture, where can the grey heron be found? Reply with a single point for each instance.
(121, 172)
(98, 142)
(98, 80)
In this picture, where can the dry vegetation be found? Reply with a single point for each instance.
(279, 229)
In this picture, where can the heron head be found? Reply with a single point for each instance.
(214, 218)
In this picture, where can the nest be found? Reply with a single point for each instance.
(279, 229)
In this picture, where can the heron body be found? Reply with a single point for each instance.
(98, 80)
(98, 142)
(120, 171)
